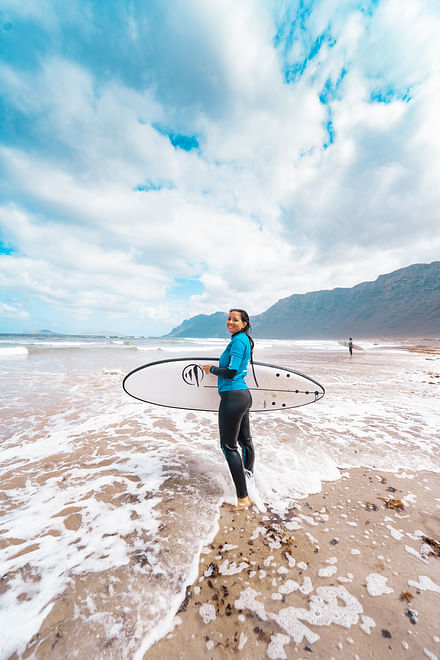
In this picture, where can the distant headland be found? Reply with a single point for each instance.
(404, 303)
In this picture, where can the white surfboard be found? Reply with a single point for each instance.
(182, 383)
(355, 346)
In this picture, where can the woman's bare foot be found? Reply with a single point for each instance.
(242, 503)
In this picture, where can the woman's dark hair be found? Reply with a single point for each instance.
(247, 330)
(245, 319)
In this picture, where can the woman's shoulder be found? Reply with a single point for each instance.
(242, 338)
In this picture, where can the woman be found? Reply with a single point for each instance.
(235, 402)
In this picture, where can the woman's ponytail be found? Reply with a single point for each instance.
(247, 330)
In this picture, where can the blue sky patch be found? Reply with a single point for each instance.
(6, 248)
(183, 288)
(185, 142)
(178, 140)
(293, 29)
(294, 71)
(151, 185)
(388, 95)
(331, 91)
(290, 24)
(23, 42)
(331, 134)
(369, 8)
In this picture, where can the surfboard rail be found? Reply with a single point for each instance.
(275, 387)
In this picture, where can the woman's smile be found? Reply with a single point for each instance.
(234, 323)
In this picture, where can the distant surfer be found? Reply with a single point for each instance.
(350, 345)
(235, 402)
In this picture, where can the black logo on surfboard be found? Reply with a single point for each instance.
(193, 374)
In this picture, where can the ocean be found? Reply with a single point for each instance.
(108, 502)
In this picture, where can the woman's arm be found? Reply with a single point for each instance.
(222, 372)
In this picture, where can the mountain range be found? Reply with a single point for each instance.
(404, 303)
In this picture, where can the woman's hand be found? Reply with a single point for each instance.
(207, 368)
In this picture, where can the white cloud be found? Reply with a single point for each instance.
(8, 311)
(261, 210)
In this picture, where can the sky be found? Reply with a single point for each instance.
(160, 160)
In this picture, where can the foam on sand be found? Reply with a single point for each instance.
(107, 502)
(327, 620)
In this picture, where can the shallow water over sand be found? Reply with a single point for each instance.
(106, 501)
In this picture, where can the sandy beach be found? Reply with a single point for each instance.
(114, 544)
(351, 572)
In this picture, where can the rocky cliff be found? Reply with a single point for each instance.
(403, 303)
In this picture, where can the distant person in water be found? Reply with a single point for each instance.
(235, 402)
(350, 345)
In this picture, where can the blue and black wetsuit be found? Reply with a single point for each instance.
(235, 402)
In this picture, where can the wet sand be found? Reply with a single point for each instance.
(351, 572)
(102, 519)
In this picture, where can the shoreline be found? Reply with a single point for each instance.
(344, 574)
(119, 527)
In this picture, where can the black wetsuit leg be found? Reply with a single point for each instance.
(234, 406)
(245, 442)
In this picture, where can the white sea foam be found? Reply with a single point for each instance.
(415, 553)
(288, 587)
(207, 612)
(248, 601)
(232, 569)
(328, 571)
(197, 350)
(12, 351)
(73, 439)
(377, 585)
(325, 609)
(367, 624)
(425, 584)
(275, 649)
(242, 641)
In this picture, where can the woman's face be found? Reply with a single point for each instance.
(234, 323)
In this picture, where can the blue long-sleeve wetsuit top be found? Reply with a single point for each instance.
(235, 358)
